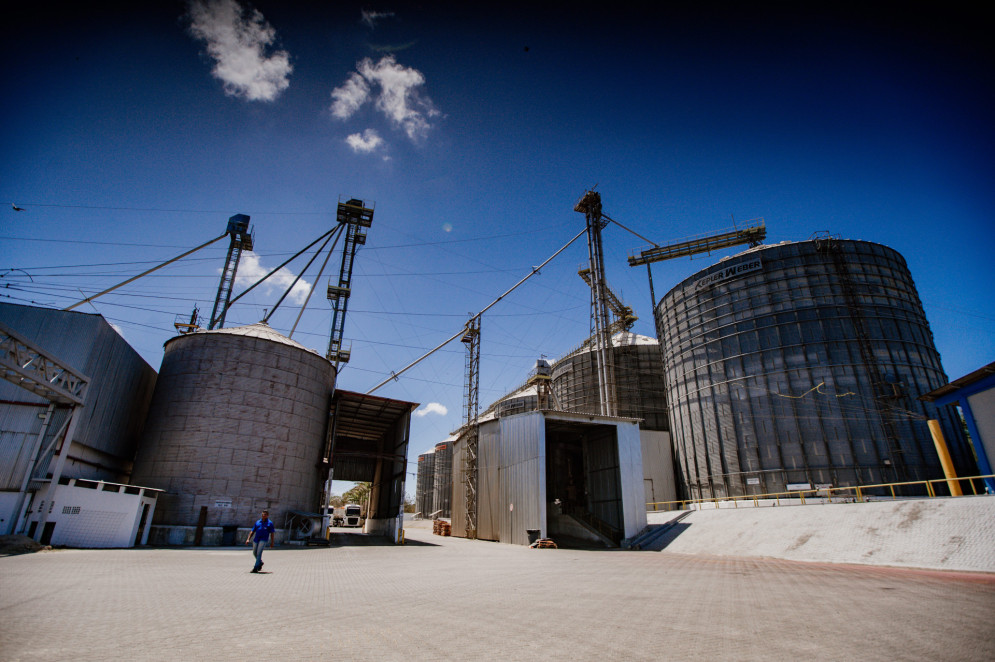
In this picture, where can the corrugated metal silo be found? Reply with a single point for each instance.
(442, 494)
(801, 364)
(237, 424)
(638, 374)
(425, 488)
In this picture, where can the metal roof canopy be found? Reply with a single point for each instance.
(359, 427)
(946, 390)
(368, 441)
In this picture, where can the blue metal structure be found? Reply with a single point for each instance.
(959, 392)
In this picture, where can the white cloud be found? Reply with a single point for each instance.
(250, 270)
(349, 96)
(237, 40)
(432, 408)
(366, 142)
(400, 98)
(371, 17)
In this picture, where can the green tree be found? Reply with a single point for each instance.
(359, 494)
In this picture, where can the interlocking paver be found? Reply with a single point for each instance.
(453, 599)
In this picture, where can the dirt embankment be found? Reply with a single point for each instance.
(10, 545)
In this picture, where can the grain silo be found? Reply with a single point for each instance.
(425, 487)
(442, 494)
(638, 375)
(237, 424)
(799, 365)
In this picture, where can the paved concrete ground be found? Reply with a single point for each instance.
(940, 533)
(453, 599)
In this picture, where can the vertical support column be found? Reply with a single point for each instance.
(590, 206)
(471, 339)
(67, 441)
(945, 461)
(29, 472)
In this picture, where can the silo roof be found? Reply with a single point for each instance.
(260, 330)
(627, 338)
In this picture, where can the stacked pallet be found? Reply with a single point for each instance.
(543, 543)
(441, 527)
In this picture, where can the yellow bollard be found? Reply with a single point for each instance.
(945, 461)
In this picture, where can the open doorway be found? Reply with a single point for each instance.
(583, 484)
(368, 444)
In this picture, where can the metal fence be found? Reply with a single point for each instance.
(850, 494)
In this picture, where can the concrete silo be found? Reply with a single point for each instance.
(237, 424)
(800, 364)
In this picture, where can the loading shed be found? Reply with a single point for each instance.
(557, 474)
(368, 441)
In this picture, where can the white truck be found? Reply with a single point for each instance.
(347, 515)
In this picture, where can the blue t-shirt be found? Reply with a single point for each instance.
(263, 530)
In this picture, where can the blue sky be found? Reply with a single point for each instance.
(128, 136)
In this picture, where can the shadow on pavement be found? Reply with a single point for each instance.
(675, 530)
(359, 539)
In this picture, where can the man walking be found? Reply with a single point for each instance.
(262, 532)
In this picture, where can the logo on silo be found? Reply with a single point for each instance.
(729, 273)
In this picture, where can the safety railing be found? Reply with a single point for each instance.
(843, 494)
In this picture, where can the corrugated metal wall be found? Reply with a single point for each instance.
(522, 477)
(630, 462)
(118, 397)
(659, 479)
(512, 472)
(458, 520)
(488, 490)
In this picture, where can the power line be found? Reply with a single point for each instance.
(174, 211)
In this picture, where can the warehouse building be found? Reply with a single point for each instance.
(66, 451)
(975, 395)
(553, 474)
(799, 365)
(641, 394)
